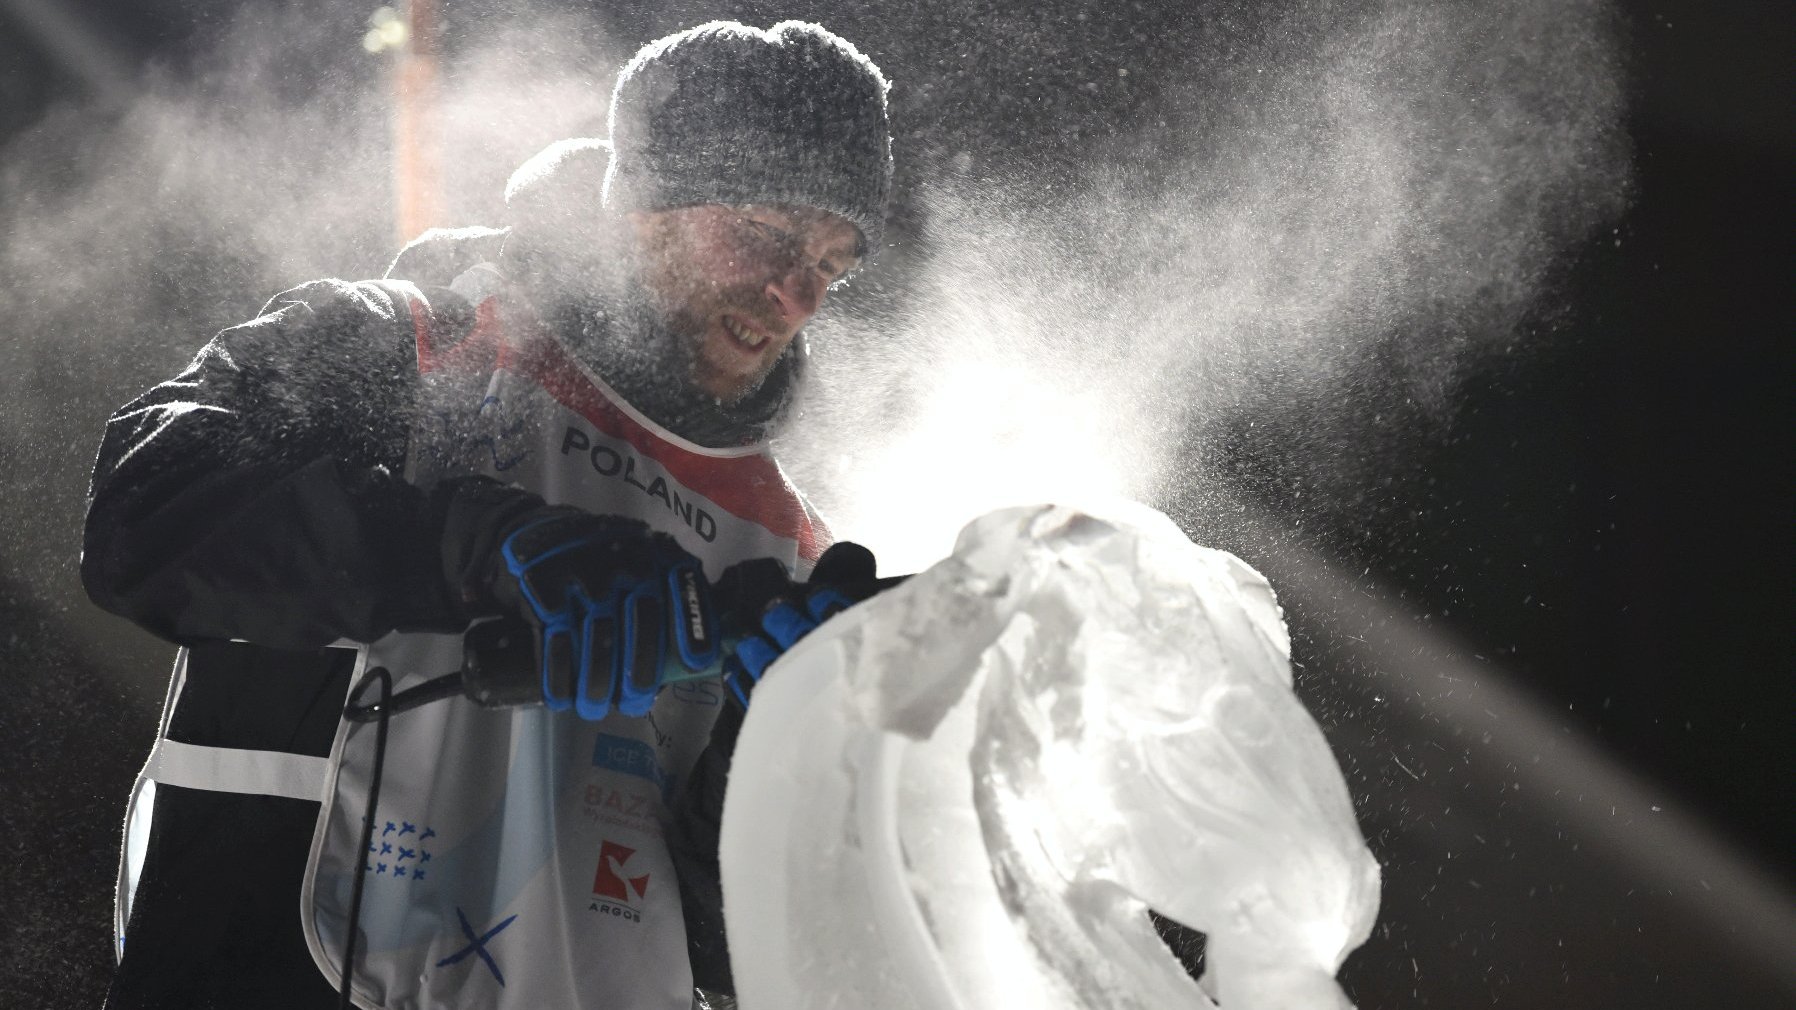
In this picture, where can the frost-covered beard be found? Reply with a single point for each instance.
(649, 356)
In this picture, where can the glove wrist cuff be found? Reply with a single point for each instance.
(476, 515)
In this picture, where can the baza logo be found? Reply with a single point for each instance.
(614, 883)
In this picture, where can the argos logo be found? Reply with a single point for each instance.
(617, 888)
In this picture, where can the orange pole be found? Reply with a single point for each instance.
(416, 153)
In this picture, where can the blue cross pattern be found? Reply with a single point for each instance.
(477, 945)
(385, 847)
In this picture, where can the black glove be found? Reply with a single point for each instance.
(614, 606)
(763, 620)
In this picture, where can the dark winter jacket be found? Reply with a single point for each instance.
(259, 496)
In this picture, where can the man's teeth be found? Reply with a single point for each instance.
(744, 334)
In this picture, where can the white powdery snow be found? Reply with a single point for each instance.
(967, 791)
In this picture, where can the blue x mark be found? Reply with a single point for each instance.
(477, 945)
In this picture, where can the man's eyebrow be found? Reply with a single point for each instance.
(842, 262)
(855, 251)
(800, 216)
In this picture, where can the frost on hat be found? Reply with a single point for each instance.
(725, 113)
(559, 185)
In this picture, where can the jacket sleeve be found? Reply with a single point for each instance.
(259, 494)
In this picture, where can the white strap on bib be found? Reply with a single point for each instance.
(229, 770)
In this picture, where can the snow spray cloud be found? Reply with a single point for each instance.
(1336, 202)
(128, 237)
(1339, 209)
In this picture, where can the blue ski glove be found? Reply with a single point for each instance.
(615, 608)
(844, 575)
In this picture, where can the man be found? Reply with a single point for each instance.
(564, 424)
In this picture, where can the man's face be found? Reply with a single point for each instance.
(737, 283)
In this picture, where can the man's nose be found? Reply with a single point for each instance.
(798, 293)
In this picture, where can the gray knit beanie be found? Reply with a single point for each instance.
(725, 113)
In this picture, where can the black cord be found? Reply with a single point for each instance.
(447, 686)
(379, 713)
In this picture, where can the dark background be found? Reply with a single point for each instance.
(1597, 532)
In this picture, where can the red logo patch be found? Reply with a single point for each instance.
(613, 880)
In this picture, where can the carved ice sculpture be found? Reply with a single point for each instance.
(966, 792)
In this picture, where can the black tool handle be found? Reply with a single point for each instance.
(499, 664)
